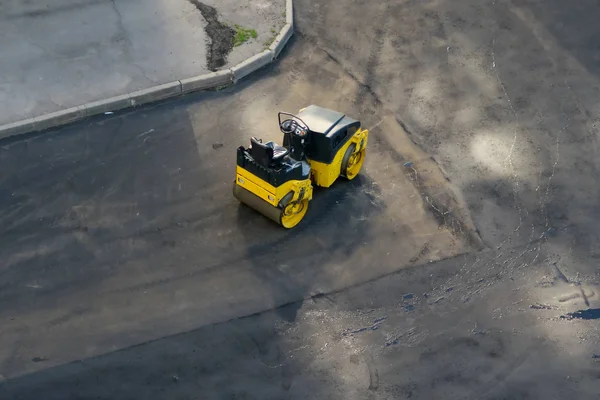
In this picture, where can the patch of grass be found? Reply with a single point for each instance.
(242, 35)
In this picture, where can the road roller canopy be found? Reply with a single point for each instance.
(329, 130)
(325, 121)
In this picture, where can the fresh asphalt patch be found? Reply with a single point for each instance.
(142, 220)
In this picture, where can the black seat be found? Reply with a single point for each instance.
(278, 151)
(262, 154)
(267, 154)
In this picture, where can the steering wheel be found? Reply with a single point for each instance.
(292, 126)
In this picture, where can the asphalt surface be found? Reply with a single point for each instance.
(62, 54)
(130, 272)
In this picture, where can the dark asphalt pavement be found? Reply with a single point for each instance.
(129, 271)
(125, 227)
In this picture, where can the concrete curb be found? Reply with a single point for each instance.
(281, 40)
(252, 64)
(213, 80)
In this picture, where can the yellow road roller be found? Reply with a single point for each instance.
(319, 145)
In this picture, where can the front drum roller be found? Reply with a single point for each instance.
(288, 214)
(352, 162)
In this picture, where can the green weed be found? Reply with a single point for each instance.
(242, 35)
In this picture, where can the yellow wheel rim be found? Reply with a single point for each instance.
(293, 213)
(355, 163)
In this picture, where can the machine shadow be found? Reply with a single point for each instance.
(338, 222)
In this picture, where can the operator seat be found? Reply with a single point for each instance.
(267, 154)
(278, 151)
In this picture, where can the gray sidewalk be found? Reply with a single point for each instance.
(65, 54)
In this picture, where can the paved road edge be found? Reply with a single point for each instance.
(213, 80)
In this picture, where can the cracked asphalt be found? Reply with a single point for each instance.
(462, 265)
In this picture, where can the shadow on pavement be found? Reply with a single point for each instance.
(338, 223)
(590, 313)
(89, 201)
(214, 362)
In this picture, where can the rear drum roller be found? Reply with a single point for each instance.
(352, 162)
